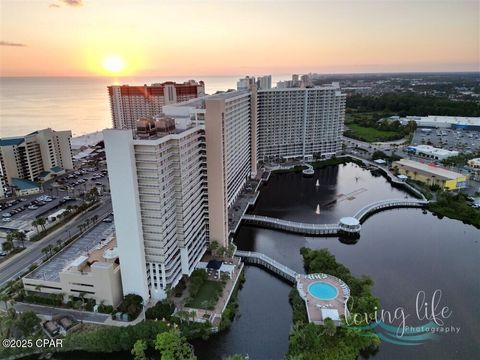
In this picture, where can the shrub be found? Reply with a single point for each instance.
(162, 310)
(132, 304)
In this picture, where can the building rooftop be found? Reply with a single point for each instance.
(458, 120)
(432, 169)
(11, 141)
(87, 246)
(23, 184)
(56, 169)
(433, 150)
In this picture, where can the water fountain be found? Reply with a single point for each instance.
(317, 184)
(318, 209)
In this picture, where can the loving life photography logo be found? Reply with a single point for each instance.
(428, 322)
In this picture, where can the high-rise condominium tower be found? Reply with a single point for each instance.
(27, 157)
(158, 181)
(165, 209)
(130, 103)
(300, 122)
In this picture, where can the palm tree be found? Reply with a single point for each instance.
(42, 222)
(35, 223)
(20, 236)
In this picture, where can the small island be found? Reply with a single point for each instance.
(328, 341)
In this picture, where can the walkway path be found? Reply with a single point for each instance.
(329, 229)
(269, 263)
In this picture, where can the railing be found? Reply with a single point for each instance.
(269, 263)
(291, 225)
(328, 229)
(385, 204)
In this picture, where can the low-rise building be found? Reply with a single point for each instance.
(453, 122)
(430, 174)
(431, 152)
(93, 274)
(474, 167)
(23, 187)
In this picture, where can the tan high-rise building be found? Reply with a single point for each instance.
(29, 157)
(130, 103)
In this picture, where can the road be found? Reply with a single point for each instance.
(33, 253)
(51, 311)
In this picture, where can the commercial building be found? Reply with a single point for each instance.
(36, 155)
(430, 152)
(130, 103)
(158, 182)
(87, 268)
(453, 122)
(430, 174)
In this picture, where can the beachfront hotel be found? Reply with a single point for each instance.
(38, 156)
(129, 103)
(166, 212)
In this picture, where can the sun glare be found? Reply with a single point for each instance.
(114, 64)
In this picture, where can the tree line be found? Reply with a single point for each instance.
(409, 105)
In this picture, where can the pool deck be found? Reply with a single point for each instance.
(314, 305)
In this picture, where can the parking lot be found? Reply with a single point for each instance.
(449, 139)
(68, 189)
(50, 270)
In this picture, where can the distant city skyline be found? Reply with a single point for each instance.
(214, 37)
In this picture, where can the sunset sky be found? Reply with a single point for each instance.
(225, 37)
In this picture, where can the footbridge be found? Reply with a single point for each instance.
(267, 262)
(348, 225)
(369, 209)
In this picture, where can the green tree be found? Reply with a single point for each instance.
(138, 350)
(213, 247)
(42, 222)
(27, 322)
(173, 346)
(20, 236)
(35, 223)
(7, 246)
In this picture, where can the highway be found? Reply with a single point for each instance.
(14, 267)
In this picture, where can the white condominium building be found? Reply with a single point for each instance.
(227, 118)
(264, 82)
(158, 181)
(33, 156)
(130, 103)
(299, 122)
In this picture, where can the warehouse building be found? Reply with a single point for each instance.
(430, 174)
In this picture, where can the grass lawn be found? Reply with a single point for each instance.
(370, 134)
(207, 295)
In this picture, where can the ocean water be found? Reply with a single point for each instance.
(79, 104)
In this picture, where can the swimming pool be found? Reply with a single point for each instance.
(322, 290)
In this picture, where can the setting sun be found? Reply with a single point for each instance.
(114, 64)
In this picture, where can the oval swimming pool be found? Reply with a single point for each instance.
(322, 290)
